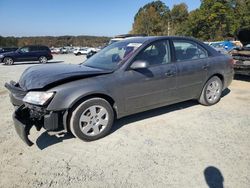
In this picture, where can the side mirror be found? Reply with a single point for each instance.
(139, 65)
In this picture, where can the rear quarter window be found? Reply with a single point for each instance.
(43, 48)
(33, 48)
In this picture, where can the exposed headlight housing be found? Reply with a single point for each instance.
(38, 98)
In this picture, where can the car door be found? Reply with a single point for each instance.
(150, 87)
(34, 53)
(192, 65)
(24, 54)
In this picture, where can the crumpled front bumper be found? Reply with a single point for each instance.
(25, 117)
(22, 125)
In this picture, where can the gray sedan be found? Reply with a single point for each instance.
(126, 77)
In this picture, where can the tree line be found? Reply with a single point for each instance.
(213, 20)
(90, 41)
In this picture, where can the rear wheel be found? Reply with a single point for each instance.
(211, 92)
(43, 59)
(92, 119)
(8, 61)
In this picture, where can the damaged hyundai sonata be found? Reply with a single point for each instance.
(126, 77)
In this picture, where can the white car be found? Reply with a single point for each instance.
(84, 51)
(55, 50)
(64, 50)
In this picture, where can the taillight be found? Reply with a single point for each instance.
(232, 62)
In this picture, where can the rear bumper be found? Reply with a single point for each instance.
(228, 78)
(50, 57)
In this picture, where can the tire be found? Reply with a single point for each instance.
(79, 53)
(211, 93)
(8, 61)
(43, 59)
(92, 119)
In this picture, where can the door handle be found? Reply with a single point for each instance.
(205, 67)
(170, 73)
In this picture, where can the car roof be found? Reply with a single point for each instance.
(149, 39)
(152, 38)
(35, 46)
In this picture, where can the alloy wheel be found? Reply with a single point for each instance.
(94, 120)
(213, 91)
(43, 59)
(8, 61)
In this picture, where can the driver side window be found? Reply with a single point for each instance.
(155, 54)
(25, 49)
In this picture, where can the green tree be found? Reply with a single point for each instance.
(219, 18)
(195, 25)
(179, 15)
(214, 20)
(151, 19)
(241, 9)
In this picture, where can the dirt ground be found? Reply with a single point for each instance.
(182, 145)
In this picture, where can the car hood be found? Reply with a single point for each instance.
(46, 76)
(243, 36)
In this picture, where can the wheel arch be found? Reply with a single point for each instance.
(76, 103)
(106, 97)
(42, 55)
(9, 57)
(219, 75)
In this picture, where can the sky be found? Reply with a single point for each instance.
(72, 17)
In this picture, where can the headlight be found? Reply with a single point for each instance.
(1, 56)
(39, 98)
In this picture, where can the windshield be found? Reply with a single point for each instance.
(110, 57)
(114, 40)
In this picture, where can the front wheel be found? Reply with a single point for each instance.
(92, 119)
(211, 92)
(43, 59)
(8, 61)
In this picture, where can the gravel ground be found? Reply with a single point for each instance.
(182, 145)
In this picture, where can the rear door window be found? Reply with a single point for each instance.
(187, 50)
(33, 48)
